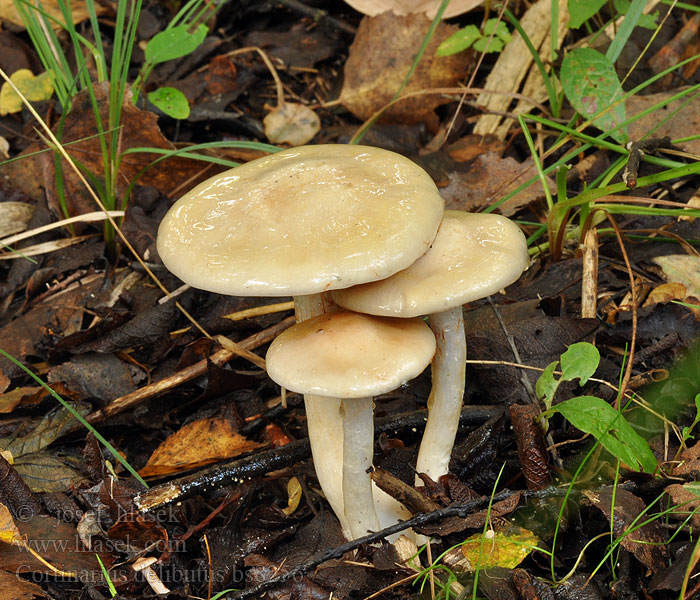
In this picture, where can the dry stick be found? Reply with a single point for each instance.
(187, 374)
(589, 278)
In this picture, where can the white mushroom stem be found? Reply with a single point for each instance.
(358, 451)
(324, 421)
(445, 401)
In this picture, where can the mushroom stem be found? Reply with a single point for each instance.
(445, 401)
(358, 451)
(324, 421)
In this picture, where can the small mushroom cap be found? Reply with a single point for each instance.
(302, 221)
(142, 562)
(472, 256)
(350, 355)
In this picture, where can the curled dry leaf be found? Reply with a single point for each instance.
(373, 8)
(291, 123)
(532, 449)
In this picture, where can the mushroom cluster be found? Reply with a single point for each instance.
(367, 225)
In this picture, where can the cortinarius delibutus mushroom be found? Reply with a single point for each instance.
(301, 222)
(472, 256)
(353, 357)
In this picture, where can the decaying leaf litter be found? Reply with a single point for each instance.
(234, 503)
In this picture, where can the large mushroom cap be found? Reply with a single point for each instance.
(472, 256)
(350, 355)
(302, 221)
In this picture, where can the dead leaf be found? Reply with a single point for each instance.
(682, 268)
(407, 7)
(44, 472)
(39, 433)
(665, 293)
(489, 178)
(93, 375)
(686, 500)
(674, 124)
(34, 88)
(78, 10)
(380, 56)
(532, 448)
(16, 588)
(646, 541)
(196, 444)
(291, 123)
(294, 496)
(9, 534)
(10, 400)
(506, 547)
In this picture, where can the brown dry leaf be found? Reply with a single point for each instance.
(685, 499)
(373, 8)
(690, 462)
(291, 123)
(14, 217)
(196, 444)
(10, 400)
(682, 268)
(665, 121)
(648, 541)
(665, 293)
(16, 588)
(294, 496)
(532, 448)
(380, 56)
(489, 178)
(78, 9)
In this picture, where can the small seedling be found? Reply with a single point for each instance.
(493, 38)
(590, 414)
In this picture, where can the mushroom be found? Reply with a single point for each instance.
(301, 222)
(143, 565)
(472, 256)
(353, 357)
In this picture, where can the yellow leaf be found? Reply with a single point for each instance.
(9, 534)
(506, 548)
(294, 495)
(290, 123)
(34, 89)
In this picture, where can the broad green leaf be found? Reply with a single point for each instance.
(174, 43)
(595, 416)
(582, 10)
(592, 87)
(697, 404)
(171, 101)
(546, 385)
(458, 41)
(646, 21)
(580, 361)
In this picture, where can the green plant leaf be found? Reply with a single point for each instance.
(646, 21)
(579, 361)
(171, 101)
(595, 416)
(499, 29)
(582, 10)
(546, 385)
(591, 85)
(173, 43)
(488, 44)
(458, 41)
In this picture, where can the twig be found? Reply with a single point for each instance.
(318, 15)
(187, 374)
(269, 460)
